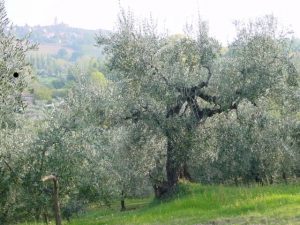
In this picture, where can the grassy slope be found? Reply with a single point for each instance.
(197, 204)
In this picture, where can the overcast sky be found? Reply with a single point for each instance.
(172, 14)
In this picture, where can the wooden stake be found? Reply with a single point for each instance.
(56, 207)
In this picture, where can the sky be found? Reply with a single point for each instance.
(170, 14)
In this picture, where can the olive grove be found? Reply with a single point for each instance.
(170, 107)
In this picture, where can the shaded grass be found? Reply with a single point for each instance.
(197, 204)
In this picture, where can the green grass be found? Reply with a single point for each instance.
(198, 204)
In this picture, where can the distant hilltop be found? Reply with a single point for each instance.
(59, 33)
(53, 38)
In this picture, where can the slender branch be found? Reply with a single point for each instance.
(173, 110)
(8, 166)
(205, 84)
(192, 102)
(137, 115)
(206, 97)
(209, 74)
(185, 105)
(162, 76)
(16, 178)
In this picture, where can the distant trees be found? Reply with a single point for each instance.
(62, 53)
(56, 76)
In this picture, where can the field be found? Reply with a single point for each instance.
(198, 204)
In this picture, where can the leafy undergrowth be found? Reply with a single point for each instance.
(197, 204)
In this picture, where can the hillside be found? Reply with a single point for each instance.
(53, 38)
(60, 49)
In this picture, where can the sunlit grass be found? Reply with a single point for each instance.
(197, 204)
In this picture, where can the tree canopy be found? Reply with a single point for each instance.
(173, 84)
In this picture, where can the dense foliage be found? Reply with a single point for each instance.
(179, 85)
(169, 107)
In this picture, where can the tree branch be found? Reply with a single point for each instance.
(204, 84)
(206, 97)
(162, 76)
(198, 113)
(202, 114)
(9, 167)
(173, 110)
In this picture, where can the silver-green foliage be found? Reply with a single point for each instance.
(14, 77)
(12, 60)
(174, 83)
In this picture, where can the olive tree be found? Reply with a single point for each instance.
(14, 77)
(251, 145)
(66, 146)
(174, 83)
(130, 154)
(15, 71)
(81, 142)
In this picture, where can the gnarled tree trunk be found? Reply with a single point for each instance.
(175, 170)
(172, 169)
(184, 173)
(172, 165)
